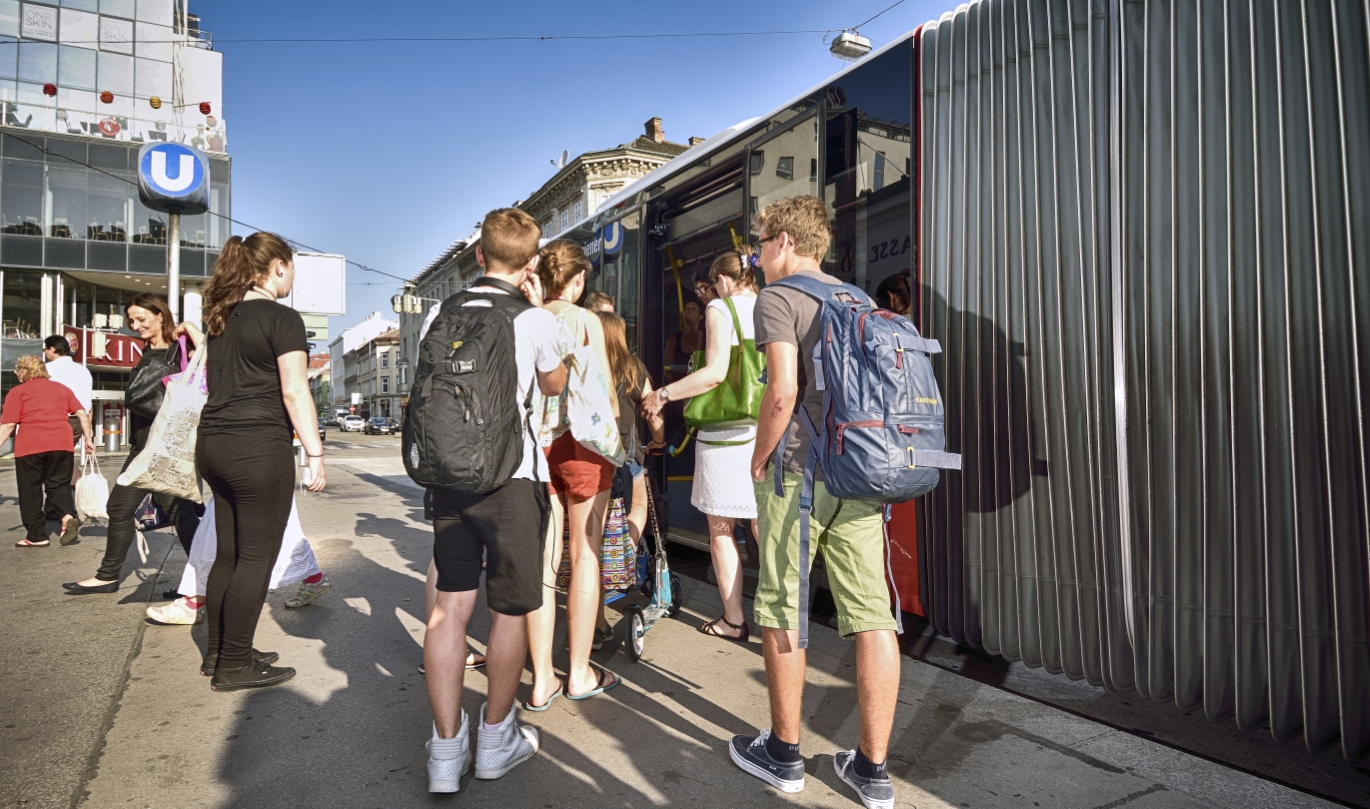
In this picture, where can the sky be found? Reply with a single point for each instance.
(388, 152)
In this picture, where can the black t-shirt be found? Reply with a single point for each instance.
(244, 383)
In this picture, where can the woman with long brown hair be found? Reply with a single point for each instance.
(150, 316)
(632, 384)
(258, 390)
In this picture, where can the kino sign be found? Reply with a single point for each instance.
(174, 179)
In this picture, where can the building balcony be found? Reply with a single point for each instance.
(80, 113)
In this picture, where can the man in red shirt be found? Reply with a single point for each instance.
(43, 456)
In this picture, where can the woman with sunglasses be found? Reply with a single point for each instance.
(722, 487)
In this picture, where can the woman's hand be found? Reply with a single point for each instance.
(318, 478)
(654, 447)
(652, 404)
(192, 331)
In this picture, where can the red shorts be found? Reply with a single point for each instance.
(577, 471)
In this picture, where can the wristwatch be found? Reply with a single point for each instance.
(665, 394)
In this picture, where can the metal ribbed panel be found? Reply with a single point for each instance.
(1146, 228)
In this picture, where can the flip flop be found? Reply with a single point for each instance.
(469, 666)
(599, 688)
(528, 705)
(71, 531)
(24, 543)
(711, 629)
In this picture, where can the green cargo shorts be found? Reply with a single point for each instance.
(851, 537)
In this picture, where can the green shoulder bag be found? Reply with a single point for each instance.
(736, 402)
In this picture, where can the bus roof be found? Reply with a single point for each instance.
(722, 139)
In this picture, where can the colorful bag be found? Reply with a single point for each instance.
(618, 560)
(588, 398)
(167, 463)
(736, 401)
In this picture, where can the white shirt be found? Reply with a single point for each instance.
(75, 377)
(535, 350)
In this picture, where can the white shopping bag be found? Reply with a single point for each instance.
(167, 463)
(92, 492)
(294, 563)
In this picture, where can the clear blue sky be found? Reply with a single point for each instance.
(389, 152)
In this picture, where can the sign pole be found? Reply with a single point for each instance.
(173, 266)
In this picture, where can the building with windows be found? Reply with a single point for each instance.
(82, 87)
(581, 185)
(377, 376)
(344, 362)
(575, 191)
(320, 387)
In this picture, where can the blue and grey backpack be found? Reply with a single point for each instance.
(882, 437)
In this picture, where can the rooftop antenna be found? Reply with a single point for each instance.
(849, 46)
(565, 158)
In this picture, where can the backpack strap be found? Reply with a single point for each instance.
(805, 512)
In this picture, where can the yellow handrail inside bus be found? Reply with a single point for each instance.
(675, 269)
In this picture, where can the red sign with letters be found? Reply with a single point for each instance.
(102, 349)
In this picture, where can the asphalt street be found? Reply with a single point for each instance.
(100, 708)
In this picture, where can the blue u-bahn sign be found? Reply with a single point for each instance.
(173, 178)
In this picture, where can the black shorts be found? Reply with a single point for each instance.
(510, 526)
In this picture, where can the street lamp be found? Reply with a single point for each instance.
(850, 46)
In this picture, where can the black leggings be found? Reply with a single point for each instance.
(123, 506)
(253, 481)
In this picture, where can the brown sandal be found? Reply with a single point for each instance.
(711, 629)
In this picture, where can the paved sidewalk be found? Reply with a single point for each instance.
(348, 731)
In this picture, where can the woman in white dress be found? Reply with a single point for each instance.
(722, 480)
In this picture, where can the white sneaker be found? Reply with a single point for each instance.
(500, 750)
(177, 612)
(444, 774)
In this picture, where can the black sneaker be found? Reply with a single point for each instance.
(750, 754)
(256, 675)
(875, 793)
(207, 665)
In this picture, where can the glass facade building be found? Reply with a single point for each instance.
(83, 85)
(107, 61)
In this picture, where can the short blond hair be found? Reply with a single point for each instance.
(509, 238)
(804, 218)
(26, 368)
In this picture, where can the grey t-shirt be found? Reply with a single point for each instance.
(785, 315)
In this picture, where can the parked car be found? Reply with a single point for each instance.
(381, 426)
(352, 424)
(323, 430)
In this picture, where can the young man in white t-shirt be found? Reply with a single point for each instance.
(505, 526)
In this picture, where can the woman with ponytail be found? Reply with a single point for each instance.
(258, 390)
(581, 478)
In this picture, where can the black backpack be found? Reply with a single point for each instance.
(464, 430)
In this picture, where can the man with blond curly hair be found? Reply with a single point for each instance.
(794, 235)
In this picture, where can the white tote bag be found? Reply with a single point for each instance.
(294, 563)
(92, 492)
(589, 410)
(167, 463)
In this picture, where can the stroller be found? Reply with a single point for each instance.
(651, 573)
(654, 580)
